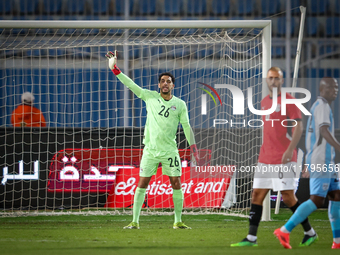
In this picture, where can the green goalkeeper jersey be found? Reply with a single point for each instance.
(162, 119)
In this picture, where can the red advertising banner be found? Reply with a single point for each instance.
(89, 170)
(94, 170)
(116, 172)
(198, 192)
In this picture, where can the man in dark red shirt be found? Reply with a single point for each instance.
(276, 167)
(26, 115)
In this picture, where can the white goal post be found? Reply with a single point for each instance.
(95, 125)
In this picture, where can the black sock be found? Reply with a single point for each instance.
(305, 224)
(255, 215)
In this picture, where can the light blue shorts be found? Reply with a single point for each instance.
(321, 183)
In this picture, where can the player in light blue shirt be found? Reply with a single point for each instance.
(324, 174)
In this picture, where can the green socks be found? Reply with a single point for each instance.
(139, 198)
(178, 198)
(138, 203)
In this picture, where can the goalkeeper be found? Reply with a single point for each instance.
(164, 112)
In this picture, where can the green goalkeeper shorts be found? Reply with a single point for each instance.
(171, 163)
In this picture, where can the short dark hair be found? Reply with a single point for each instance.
(168, 74)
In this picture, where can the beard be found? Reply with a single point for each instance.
(165, 92)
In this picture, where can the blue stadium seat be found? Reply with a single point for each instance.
(245, 7)
(6, 7)
(177, 51)
(33, 53)
(270, 7)
(317, 7)
(134, 52)
(196, 7)
(173, 7)
(337, 7)
(327, 49)
(320, 72)
(52, 6)
(294, 4)
(75, 53)
(75, 7)
(119, 6)
(333, 27)
(149, 51)
(312, 26)
(278, 52)
(281, 27)
(147, 7)
(210, 53)
(199, 53)
(56, 52)
(99, 7)
(219, 7)
(28, 6)
(254, 51)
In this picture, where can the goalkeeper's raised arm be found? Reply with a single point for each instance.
(164, 111)
(121, 76)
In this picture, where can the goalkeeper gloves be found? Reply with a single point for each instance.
(112, 57)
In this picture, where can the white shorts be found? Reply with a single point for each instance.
(276, 177)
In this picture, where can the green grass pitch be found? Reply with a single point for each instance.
(96, 235)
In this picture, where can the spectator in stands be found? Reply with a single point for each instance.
(26, 115)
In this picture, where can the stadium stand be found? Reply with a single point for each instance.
(161, 9)
(52, 7)
(327, 49)
(245, 7)
(270, 7)
(172, 8)
(294, 4)
(6, 7)
(312, 26)
(337, 8)
(281, 27)
(322, 24)
(119, 6)
(318, 7)
(219, 8)
(196, 7)
(147, 7)
(75, 7)
(317, 23)
(278, 52)
(333, 27)
(99, 7)
(28, 7)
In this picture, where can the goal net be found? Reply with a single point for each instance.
(88, 154)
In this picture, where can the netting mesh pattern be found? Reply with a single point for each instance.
(87, 109)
